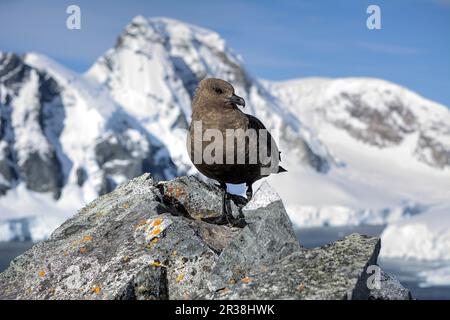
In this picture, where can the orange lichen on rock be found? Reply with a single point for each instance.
(96, 290)
(157, 222)
(155, 232)
(41, 273)
(179, 278)
(87, 238)
(246, 280)
(83, 249)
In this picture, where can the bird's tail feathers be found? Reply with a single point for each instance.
(281, 169)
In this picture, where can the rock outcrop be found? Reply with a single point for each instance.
(146, 240)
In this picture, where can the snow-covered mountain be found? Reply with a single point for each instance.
(395, 149)
(357, 150)
(372, 111)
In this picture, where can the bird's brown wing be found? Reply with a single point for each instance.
(256, 124)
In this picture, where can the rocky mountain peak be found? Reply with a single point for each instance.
(169, 31)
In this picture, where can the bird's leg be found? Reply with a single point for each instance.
(238, 222)
(226, 216)
(249, 192)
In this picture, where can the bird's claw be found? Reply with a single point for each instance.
(225, 219)
(238, 222)
(219, 220)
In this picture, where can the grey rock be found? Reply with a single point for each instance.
(146, 240)
(267, 238)
(195, 198)
(123, 245)
(335, 271)
(389, 289)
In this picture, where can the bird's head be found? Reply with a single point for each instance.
(217, 91)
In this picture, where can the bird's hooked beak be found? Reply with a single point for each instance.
(237, 100)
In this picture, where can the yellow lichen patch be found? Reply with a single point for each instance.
(125, 259)
(87, 238)
(155, 232)
(179, 278)
(155, 263)
(246, 280)
(125, 206)
(65, 253)
(41, 273)
(151, 243)
(96, 290)
(174, 252)
(157, 222)
(83, 250)
(231, 281)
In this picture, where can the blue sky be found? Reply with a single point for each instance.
(277, 39)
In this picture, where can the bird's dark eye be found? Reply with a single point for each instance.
(218, 90)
